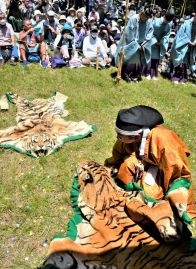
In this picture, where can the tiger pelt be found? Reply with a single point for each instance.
(116, 233)
(40, 128)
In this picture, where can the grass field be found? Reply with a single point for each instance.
(34, 193)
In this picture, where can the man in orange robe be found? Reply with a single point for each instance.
(153, 157)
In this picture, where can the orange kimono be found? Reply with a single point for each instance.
(164, 153)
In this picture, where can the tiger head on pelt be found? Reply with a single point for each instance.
(103, 234)
(41, 139)
(100, 193)
(96, 179)
(40, 144)
(41, 128)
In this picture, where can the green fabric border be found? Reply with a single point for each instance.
(183, 182)
(77, 217)
(77, 137)
(9, 98)
(16, 149)
(187, 220)
(133, 186)
(179, 183)
(72, 138)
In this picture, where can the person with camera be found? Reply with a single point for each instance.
(50, 29)
(32, 48)
(66, 43)
(38, 23)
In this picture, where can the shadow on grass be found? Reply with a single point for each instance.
(113, 75)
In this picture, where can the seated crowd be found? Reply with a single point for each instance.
(59, 33)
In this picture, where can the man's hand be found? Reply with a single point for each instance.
(50, 27)
(192, 44)
(88, 61)
(67, 36)
(31, 44)
(142, 48)
(31, 30)
(108, 60)
(105, 32)
(113, 171)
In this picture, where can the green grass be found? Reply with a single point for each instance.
(34, 193)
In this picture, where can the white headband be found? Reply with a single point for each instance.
(123, 132)
(145, 131)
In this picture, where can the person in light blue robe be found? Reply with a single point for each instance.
(137, 47)
(160, 42)
(192, 62)
(184, 50)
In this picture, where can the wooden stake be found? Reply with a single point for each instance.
(121, 54)
(97, 59)
(183, 9)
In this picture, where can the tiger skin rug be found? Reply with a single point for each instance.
(41, 129)
(117, 229)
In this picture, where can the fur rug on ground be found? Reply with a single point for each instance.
(117, 229)
(41, 129)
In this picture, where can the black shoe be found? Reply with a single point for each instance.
(136, 80)
(11, 62)
(25, 63)
(126, 78)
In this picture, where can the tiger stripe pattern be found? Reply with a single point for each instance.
(113, 235)
(41, 129)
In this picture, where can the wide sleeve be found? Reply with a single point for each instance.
(170, 153)
(165, 40)
(149, 33)
(131, 30)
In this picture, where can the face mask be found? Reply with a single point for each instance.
(62, 22)
(94, 35)
(3, 22)
(37, 18)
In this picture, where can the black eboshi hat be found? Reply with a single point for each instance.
(132, 120)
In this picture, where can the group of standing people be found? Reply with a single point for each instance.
(147, 43)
